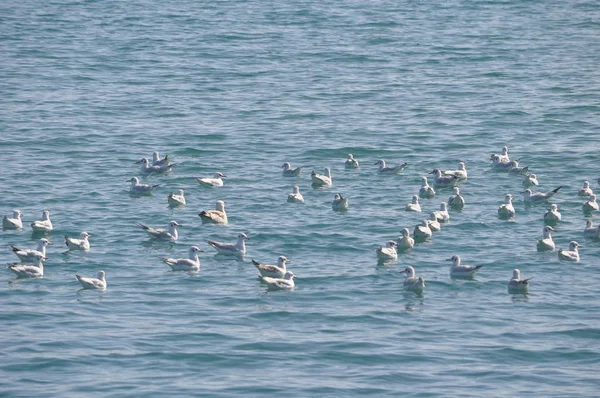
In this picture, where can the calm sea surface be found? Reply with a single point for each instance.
(89, 87)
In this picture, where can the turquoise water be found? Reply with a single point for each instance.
(89, 87)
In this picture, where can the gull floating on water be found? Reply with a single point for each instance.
(586, 190)
(296, 196)
(517, 284)
(44, 224)
(387, 252)
(590, 231)
(461, 173)
(383, 169)
(538, 197)
(530, 180)
(590, 205)
(546, 244)
(78, 244)
(506, 210)
(234, 249)
(288, 171)
(29, 271)
(456, 200)
(423, 232)
(28, 255)
(503, 157)
(442, 214)
(461, 270)
(434, 224)
(572, 254)
(13, 222)
(216, 181)
(505, 166)
(552, 216)
(322, 180)
(192, 263)
(516, 170)
(157, 161)
(339, 203)
(405, 242)
(443, 180)
(351, 163)
(217, 216)
(176, 199)
(412, 283)
(426, 191)
(285, 283)
(414, 205)
(147, 169)
(162, 234)
(273, 271)
(140, 189)
(93, 283)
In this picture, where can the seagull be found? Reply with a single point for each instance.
(78, 244)
(217, 216)
(546, 244)
(586, 190)
(192, 263)
(322, 180)
(288, 171)
(351, 163)
(538, 197)
(147, 169)
(237, 249)
(157, 161)
(411, 282)
(590, 231)
(426, 191)
(387, 252)
(443, 180)
(296, 196)
(464, 271)
(339, 203)
(516, 284)
(503, 157)
(506, 210)
(516, 170)
(414, 205)
(287, 282)
(461, 173)
(530, 180)
(13, 222)
(29, 255)
(29, 271)
(177, 199)
(456, 200)
(140, 189)
(93, 283)
(389, 170)
(442, 214)
(273, 271)
(552, 216)
(216, 181)
(405, 242)
(161, 234)
(572, 254)
(434, 224)
(500, 165)
(590, 205)
(423, 232)
(44, 225)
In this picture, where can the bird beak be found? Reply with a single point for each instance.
(376, 163)
(448, 259)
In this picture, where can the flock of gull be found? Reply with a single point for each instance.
(277, 276)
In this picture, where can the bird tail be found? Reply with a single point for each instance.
(556, 190)
(66, 241)
(255, 263)
(212, 243)
(14, 249)
(142, 226)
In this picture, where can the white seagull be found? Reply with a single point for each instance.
(29, 255)
(13, 222)
(517, 284)
(434, 224)
(516, 170)
(423, 232)
(157, 161)
(499, 165)
(426, 191)
(383, 169)
(413, 205)
(552, 216)
(590, 205)
(322, 180)
(530, 180)
(405, 242)
(285, 283)
(351, 163)
(216, 181)
(503, 157)
(339, 203)
(148, 169)
(162, 234)
(586, 190)
(538, 197)
(412, 283)
(44, 224)
(506, 210)
(296, 196)
(442, 214)
(217, 216)
(177, 199)
(461, 173)
(29, 271)
(288, 171)
(78, 244)
(546, 244)
(460, 270)
(137, 188)
(443, 180)
(456, 200)
(572, 254)
(387, 252)
(234, 249)
(590, 231)
(273, 271)
(93, 283)
(192, 263)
